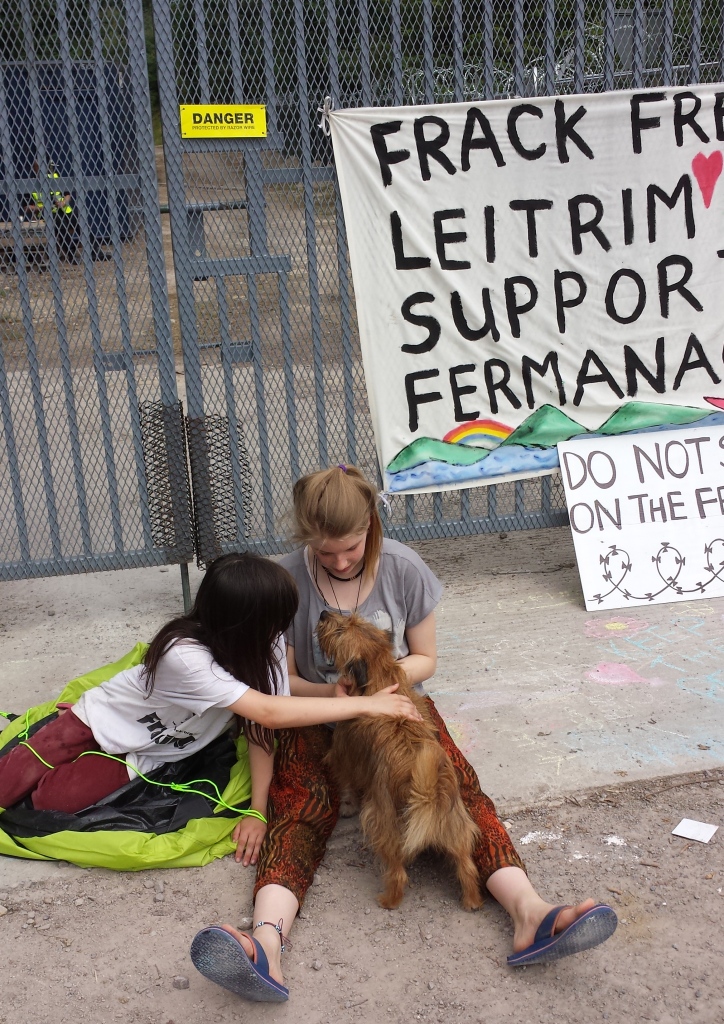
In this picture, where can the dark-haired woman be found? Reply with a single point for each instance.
(226, 657)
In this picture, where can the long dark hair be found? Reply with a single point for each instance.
(242, 605)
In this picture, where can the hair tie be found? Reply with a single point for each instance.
(341, 465)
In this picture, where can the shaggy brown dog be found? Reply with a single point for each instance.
(406, 784)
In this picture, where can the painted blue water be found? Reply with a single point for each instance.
(507, 459)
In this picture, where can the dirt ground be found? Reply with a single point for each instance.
(94, 946)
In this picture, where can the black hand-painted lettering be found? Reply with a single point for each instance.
(604, 376)
(513, 307)
(461, 322)
(719, 115)
(565, 130)
(635, 366)
(515, 113)
(489, 215)
(385, 157)
(639, 123)
(631, 275)
(432, 325)
(432, 148)
(628, 221)
(458, 390)
(694, 347)
(501, 385)
(445, 238)
(415, 400)
(687, 117)
(403, 262)
(559, 276)
(531, 207)
(528, 366)
(579, 227)
(476, 118)
(683, 187)
(666, 287)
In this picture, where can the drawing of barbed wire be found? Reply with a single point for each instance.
(661, 558)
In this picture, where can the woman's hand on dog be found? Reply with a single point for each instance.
(387, 702)
(343, 686)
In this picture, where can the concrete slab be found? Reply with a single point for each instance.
(546, 698)
(543, 697)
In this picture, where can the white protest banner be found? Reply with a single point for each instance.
(647, 515)
(528, 271)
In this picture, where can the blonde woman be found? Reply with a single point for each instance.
(344, 563)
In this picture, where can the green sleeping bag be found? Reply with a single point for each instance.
(141, 825)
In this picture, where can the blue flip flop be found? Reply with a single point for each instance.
(222, 959)
(590, 929)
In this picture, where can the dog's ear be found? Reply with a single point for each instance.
(358, 671)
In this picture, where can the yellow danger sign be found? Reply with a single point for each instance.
(222, 121)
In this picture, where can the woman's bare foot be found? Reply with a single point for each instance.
(527, 926)
(268, 938)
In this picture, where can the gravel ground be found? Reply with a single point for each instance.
(95, 946)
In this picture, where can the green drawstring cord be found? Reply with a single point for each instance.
(26, 730)
(32, 750)
(177, 787)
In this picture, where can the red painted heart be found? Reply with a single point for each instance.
(706, 171)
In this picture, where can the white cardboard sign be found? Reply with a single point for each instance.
(647, 515)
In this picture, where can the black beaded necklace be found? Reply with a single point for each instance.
(345, 579)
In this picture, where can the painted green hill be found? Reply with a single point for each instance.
(640, 415)
(429, 449)
(544, 428)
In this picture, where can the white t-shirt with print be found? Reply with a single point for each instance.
(187, 708)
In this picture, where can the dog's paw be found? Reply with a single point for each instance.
(390, 901)
(348, 805)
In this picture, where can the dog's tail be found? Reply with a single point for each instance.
(435, 815)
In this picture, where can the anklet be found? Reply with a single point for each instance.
(286, 944)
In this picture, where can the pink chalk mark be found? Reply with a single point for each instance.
(718, 402)
(609, 673)
(706, 171)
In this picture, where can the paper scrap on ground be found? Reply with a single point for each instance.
(698, 830)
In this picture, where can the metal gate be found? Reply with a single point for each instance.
(93, 467)
(274, 381)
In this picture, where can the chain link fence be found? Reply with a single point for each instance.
(93, 469)
(275, 385)
(93, 466)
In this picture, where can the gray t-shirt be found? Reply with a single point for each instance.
(404, 593)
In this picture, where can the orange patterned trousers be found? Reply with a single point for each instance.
(304, 806)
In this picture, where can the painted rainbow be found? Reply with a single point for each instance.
(480, 433)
